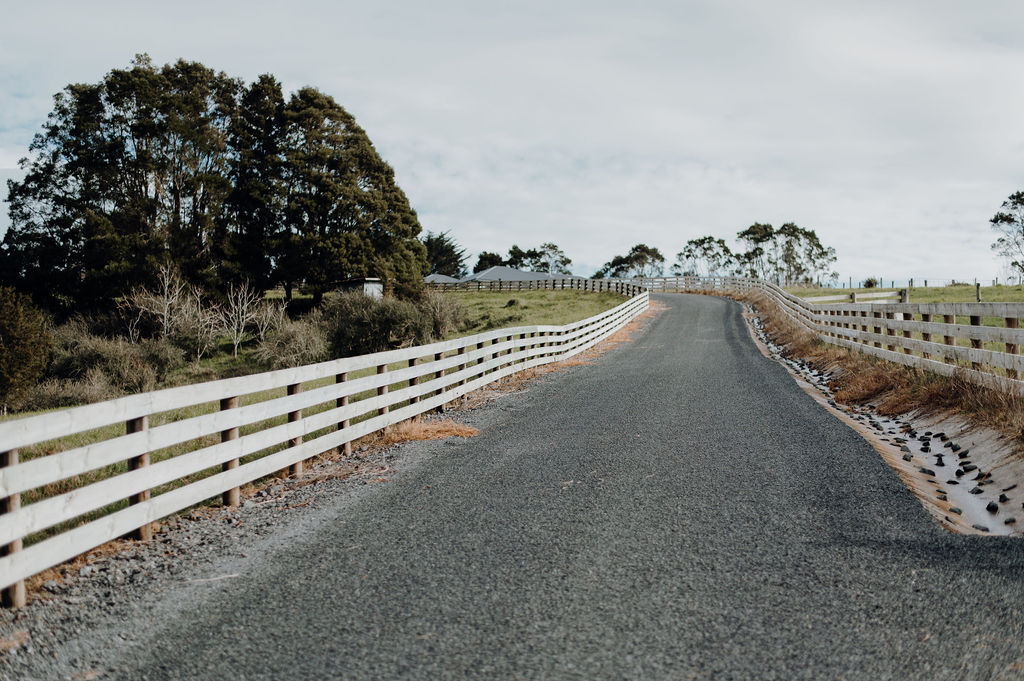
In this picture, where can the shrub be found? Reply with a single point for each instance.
(870, 282)
(25, 343)
(126, 367)
(445, 313)
(56, 392)
(356, 324)
(162, 356)
(293, 343)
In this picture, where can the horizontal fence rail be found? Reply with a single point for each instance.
(626, 287)
(979, 342)
(146, 456)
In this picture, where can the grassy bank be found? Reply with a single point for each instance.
(961, 293)
(488, 310)
(894, 389)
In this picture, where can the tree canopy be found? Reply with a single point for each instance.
(789, 255)
(641, 261)
(444, 255)
(230, 182)
(547, 257)
(1008, 223)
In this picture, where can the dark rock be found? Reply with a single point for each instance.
(969, 467)
(1007, 489)
(959, 473)
(1003, 498)
(981, 528)
(955, 447)
(927, 432)
(958, 511)
(975, 490)
(964, 453)
(904, 448)
(927, 471)
(948, 445)
(1010, 521)
(908, 457)
(953, 482)
(942, 497)
(992, 507)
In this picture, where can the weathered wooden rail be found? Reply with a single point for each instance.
(621, 286)
(945, 338)
(182, 446)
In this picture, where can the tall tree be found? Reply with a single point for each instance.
(641, 261)
(758, 239)
(1008, 223)
(549, 258)
(343, 208)
(444, 255)
(126, 173)
(704, 256)
(486, 260)
(253, 226)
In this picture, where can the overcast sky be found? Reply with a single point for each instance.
(893, 129)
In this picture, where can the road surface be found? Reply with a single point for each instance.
(679, 509)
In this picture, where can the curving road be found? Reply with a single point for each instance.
(678, 510)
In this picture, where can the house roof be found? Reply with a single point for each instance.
(439, 279)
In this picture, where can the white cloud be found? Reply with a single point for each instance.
(893, 129)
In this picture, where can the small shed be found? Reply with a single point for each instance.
(371, 286)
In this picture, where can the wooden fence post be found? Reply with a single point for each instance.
(462, 351)
(13, 596)
(976, 343)
(889, 331)
(949, 340)
(343, 402)
(138, 425)
(438, 356)
(1012, 348)
(295, 469)
(925, 336)
(382, 390)
(415, 380)
(907, 334)
(232, 496)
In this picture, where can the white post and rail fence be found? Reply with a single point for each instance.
(91, 474)
(979, 342)
(147, 456)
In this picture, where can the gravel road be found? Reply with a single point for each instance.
(679, 509)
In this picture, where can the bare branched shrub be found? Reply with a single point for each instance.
(239, 312)
(161, 304)
(197, 324)
(269, 317)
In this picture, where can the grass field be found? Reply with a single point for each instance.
(499, 309)
(932, 294)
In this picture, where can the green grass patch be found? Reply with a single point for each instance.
(489, 310)
(962, 293)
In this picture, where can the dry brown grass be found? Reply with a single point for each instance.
(893, 389)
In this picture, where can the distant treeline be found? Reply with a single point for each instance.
(228, 181)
